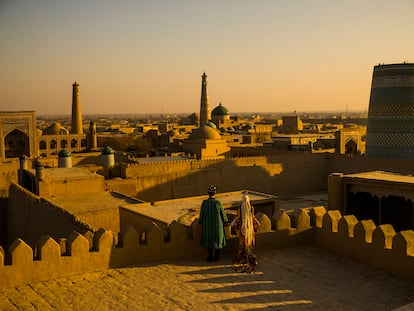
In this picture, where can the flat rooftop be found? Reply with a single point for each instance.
(162, 159)
(186, 209)
(82, 203)
(304, 201)
(67, 173)
(382, 176)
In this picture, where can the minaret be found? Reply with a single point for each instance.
(205, 103)
(390, 131)
(93, 142)
(77, 125)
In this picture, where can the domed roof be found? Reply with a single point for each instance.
(230, 129)
(64, 153)
(205, 132)
(55, 129)
(211, 124)
(220, 111)
(223, 129)
(107, 150)
(248, 126)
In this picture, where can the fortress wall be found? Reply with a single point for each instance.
(285, 174)
(71, 185)
(25, 266)
(357, 164)
(8, 174)
(379, 246)
(107, 218)
(32, 217)
(139, 222)
(124, 186)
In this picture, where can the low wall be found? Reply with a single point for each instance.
(8, 174)
(379, 246)
(272, 174)
(30, 217)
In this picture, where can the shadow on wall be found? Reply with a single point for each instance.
(288, 174)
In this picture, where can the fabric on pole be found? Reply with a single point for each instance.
(246, 228)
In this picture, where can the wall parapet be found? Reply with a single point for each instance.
(379, 246)
(33, 213)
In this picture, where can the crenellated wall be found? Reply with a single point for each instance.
(23, 265)
(380, 247)
(29, 217)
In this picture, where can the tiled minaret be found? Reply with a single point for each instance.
(205, 103)
(77, 124)
(390, 130)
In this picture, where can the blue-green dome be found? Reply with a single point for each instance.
(220, 111)
(248, 127)
(211, 124)
(230, 129)
(64, 153)
(107, 150)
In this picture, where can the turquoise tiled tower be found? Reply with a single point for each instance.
(390, 128)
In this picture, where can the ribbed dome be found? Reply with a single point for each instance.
(220, 111)
(248, 127)
(211, 124)
(55, 129)
(107, 150)
(64, 153)
(205, 132)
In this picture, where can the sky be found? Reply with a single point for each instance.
(136, 56)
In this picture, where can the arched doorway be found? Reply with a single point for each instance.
(351, 147)
(16, 143)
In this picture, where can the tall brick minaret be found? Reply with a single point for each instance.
(77, 124)
(205, 102)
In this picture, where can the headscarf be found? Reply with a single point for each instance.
(246, 228)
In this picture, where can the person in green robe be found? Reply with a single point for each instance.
(212, 218)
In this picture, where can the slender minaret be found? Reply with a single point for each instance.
(205, 103)
(77, 125)
(92, 139)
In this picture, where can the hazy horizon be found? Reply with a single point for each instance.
(139, 57)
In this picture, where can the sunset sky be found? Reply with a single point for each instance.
(148, 56)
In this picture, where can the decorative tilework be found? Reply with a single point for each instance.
(390, 127)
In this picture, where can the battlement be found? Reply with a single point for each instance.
(379, 246)
(48, 260)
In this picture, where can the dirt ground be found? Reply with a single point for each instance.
(306, 278)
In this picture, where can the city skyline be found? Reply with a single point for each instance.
(148, 57)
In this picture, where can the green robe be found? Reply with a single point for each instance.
(212, 217)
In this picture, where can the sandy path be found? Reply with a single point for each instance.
(290, 279)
